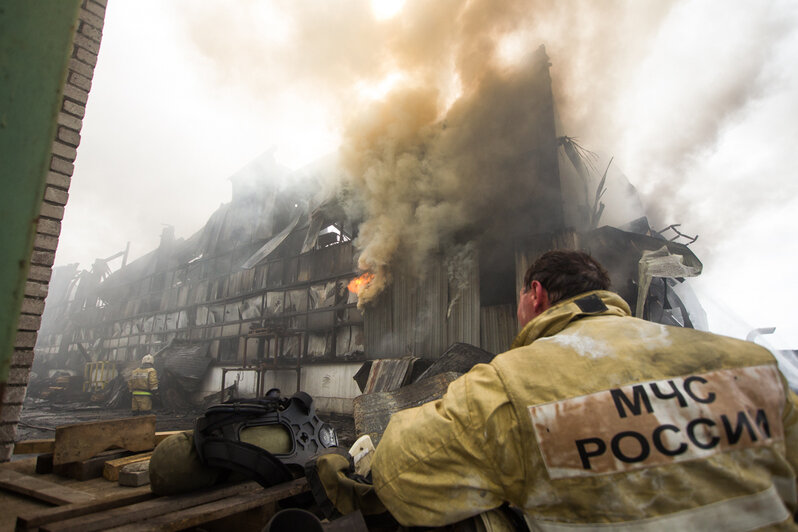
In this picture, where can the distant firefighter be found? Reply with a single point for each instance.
(143, 382)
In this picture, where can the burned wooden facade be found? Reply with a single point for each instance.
(197, 290)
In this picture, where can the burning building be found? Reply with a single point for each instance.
(421, 241)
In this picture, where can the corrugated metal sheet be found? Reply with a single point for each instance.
(187, 362)
(389, 374)
(462, 323)
(410, 317)
(498, 326)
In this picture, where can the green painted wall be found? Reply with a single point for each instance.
(35, 45)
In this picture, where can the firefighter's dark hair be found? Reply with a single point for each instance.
(566, 273)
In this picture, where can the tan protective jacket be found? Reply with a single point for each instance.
(596, 418)
(143, 381)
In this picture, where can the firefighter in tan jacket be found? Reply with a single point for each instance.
(142, 383)
(597, 420)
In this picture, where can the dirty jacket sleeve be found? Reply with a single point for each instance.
(152, 379)
(419, 465)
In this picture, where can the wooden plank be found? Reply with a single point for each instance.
(153, 508)
(44, 463)
(113, 467)
(82, 441)
(41, 489)
(59, 513)
(48, 445)
(136, 474)
(161, 436)
(91, 468)
(219, 509)
(34, 446)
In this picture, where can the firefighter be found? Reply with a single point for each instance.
(598, 419)
(142, 383)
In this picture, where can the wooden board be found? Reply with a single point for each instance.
(197, 515)
(113, 467)
(82, 441)
(34, 446)
(48, 445)
(41, 489)
(161, 436)
(148, 509)
(33, 520)
(44, 463)
(373, 411)
(91, 468)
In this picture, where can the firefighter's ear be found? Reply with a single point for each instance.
(541, 298)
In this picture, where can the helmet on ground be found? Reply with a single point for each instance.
(148, 359)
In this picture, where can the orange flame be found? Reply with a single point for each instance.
(359, 283)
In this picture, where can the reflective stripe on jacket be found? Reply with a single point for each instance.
(596, 419)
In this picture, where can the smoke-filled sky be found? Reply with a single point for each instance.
(697, 102)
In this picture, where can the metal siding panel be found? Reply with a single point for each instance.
(498, 328)
(377, 325)
(463, 325)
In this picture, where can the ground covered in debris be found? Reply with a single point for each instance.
(39, 419)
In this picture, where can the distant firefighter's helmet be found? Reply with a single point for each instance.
(148, 359)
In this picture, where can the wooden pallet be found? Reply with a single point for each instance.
(41, 489)
(174, 512)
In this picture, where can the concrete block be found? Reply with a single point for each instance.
(47, 243)
(15, 395)
(80, 80)
(36, 290)
(48, 227)
(57, 164)
(86, 56)
(49, 210)
(136, 474)
(95, 34)
(69, 136)
(29, 322)
(96, 6)
(42, 258)
(6, 451)
(32, 306)
(25, 339)
(56, 195)
(40, 273)
(65, 151)
(90, 18)
(58, 180)
(18, 376)
(8, 432)
(22, 359)
(74, 93)
(67, 120)
(73, 108)
(84, 42)
(10, 413)
(81, 68)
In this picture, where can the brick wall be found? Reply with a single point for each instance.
(85, 49)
